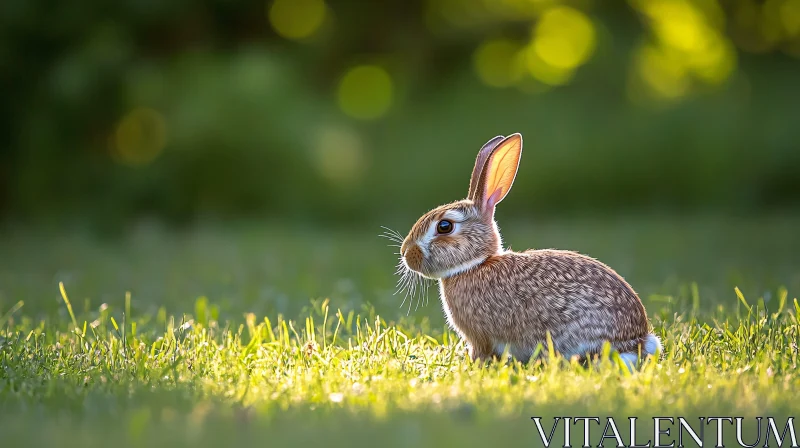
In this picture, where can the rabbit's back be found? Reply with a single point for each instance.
(514, 299)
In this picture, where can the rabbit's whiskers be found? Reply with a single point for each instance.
(411, 285)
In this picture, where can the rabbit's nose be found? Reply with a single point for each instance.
(408, 245)
(412, 255)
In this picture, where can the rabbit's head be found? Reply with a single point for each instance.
(456, 237)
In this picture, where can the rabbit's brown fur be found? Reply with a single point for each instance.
(498, 300)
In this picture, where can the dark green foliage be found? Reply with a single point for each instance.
(244, 112)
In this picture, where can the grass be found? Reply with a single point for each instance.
(183, 339)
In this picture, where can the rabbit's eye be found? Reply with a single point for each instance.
(444, 227)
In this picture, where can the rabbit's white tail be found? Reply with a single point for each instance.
(651, 346)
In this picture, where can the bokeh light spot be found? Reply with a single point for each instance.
(496, 62)
(139, 137)
(689, 45)
(790, 16)
(564, 37)
(678, 24)
(338, 154)
(662, 72)
(365, 92)
(716, 62)
(296, 19)
(544, 72)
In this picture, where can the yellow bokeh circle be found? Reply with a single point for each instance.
(497, 62)
(339, 155)
(790, 17)
(564, 38)
(716, 62)
(296, 19)
(365, 92)
(139, 137)
(546, 73)
(662, 72)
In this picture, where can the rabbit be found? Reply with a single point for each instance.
(498, 300)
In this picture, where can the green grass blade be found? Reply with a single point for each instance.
(69, 305)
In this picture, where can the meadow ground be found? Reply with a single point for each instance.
(255, 335)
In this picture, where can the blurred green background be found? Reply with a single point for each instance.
(337, 112)
(173, 157)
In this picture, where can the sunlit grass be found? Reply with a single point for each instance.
(218, 369)
(183, 370)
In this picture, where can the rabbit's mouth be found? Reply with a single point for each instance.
(417, 269)
(413, 258)
(413, 283)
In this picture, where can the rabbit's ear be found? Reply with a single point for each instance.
(480, 162)
(499, 172)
